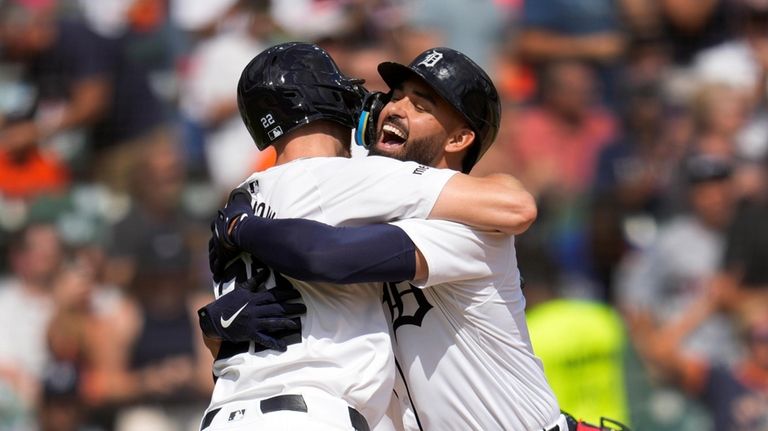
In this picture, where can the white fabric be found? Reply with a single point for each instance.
(24, 321)
(108, 18)
(197, 14)
(346, 351)
(462, 342)
(730, 63)
(310, 19)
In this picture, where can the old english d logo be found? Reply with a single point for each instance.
(393, 297)
(431, 59)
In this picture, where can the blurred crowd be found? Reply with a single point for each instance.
(640, 126)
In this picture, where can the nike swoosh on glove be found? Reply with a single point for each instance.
(244, 315)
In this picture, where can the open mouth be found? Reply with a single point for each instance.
(392, 135)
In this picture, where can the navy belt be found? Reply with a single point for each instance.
(294, 403)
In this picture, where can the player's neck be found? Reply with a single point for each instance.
(450, 161)
(313, 142)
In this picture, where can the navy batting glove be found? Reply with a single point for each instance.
(221, 249)
(219, 258)
(244, 315)
(237, 208)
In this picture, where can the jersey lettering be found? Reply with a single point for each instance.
(260, 207)
(393, 297)
(420, 170)
(264, 210)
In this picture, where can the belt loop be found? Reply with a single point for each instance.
(291, 402)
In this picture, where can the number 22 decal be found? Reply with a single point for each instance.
(267, 121)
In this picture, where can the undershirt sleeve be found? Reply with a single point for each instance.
(312, 251)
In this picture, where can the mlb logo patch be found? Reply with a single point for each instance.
(236, 415)
(275, 133)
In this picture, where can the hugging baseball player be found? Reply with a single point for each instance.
(339, 374)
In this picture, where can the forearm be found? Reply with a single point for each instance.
(497, 202)
(89, 101)
(313, 251)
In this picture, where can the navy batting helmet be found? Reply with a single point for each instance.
(460, 81)
(293, 84)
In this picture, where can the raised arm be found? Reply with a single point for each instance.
(495, 202)
(386, 190)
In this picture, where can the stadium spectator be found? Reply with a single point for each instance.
(71, 337)
(672, 273)
(632, 177)
(155, 367)
(741, 64)
(26, 307)
(84, 83)
(555, 152)
(735, 394)
(743, 277)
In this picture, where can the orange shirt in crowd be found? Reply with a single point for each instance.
(32, 174)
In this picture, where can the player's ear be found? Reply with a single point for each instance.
(460, 140)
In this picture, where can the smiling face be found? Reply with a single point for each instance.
(418, 125)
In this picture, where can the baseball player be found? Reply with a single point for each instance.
(463, 352)
(338, 375)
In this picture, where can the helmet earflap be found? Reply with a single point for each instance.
(373, 103)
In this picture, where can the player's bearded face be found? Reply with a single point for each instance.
(409, 128)
(424, 150)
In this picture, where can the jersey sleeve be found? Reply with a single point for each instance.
(378, 189)
(455, 252)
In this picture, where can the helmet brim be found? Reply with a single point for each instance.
(395, 74)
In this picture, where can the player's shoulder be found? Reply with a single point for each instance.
(389, 162)
(341, 166)
(298, 165)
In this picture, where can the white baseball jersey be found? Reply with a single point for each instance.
(345, 349)
(460, 337)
